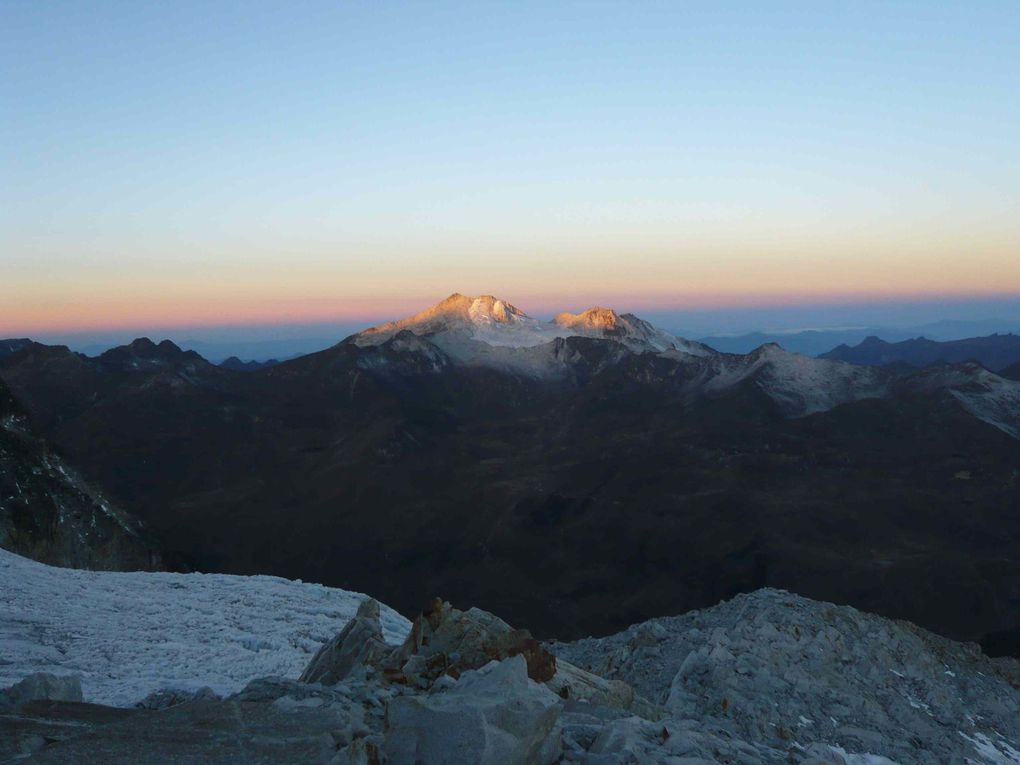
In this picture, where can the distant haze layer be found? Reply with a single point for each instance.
(808, 328)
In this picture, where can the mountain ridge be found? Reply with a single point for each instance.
(400, 461)
(995, 352)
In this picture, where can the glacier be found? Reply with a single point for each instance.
(128, 634)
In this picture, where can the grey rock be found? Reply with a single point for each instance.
(574, 683)
(779, 672)
(359, 644)
(493, 715)
(166, 698)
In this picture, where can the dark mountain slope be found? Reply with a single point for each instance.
(13, 345)
(48, 513)
(994, 352)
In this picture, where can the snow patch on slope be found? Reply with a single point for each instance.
(991, 398)
(806, 385)
(128, 634)
(800, 385)
(994, 400)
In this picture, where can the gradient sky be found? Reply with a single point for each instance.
(189, 164)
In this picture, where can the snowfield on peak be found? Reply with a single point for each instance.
(459, 324)
(129, 634)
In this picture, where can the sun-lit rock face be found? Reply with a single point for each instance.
(487, 309)
(593, 318)
(457, 312)
(479, 310)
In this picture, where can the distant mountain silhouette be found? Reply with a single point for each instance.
(811, 342)
(247, 366)
(814, 342)
(995, 352)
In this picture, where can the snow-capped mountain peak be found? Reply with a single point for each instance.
(461, 325)
(457, 313)
(484, 309)
(488, 310)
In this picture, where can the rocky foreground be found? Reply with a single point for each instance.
(765, 678)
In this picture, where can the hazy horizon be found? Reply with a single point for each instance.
(282, 340)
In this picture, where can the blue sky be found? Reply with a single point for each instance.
(224, 163)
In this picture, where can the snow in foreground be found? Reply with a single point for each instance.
(128, 634)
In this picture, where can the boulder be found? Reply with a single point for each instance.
(576, 684)
(492, 715)
(171, 697)
(359, 644)
(42, 686)
(446, 640)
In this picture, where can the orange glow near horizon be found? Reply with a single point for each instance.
(49, 290)
(170, 311)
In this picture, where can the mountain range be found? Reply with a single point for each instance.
(543, 468)
(814, 342)
(995, 352)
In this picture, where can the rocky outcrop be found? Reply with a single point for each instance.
(358, 646)
(464, 686)
(780, 673)
(42, 686)
(447, 641)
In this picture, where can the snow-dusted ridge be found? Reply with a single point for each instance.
(129, 634)
(991, 398)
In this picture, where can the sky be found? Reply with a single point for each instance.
(216, 166)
